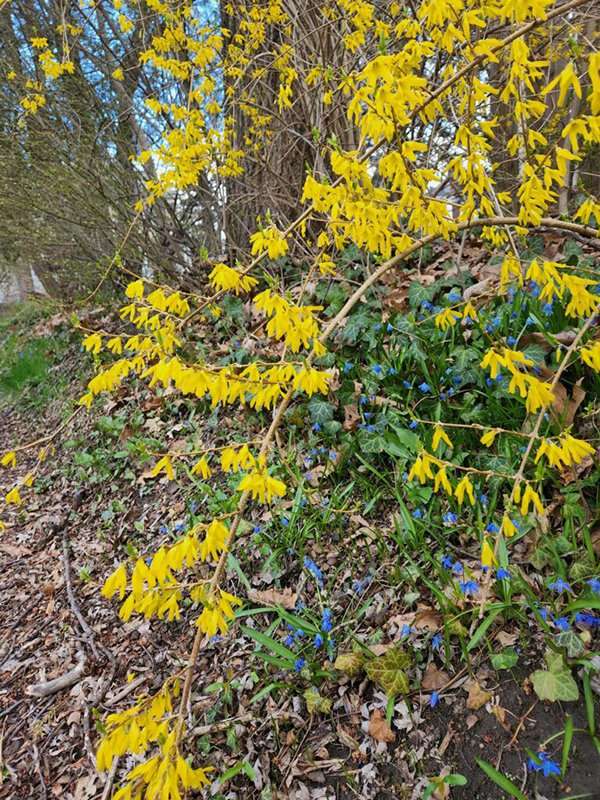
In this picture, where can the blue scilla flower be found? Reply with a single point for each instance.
(585, 618)
(289, 640)
(492, 528)
(503, 574)
(562, 623)
(377, 326)
(594, 584)
(434, 699)
(347, 367)
(285, 522)
(559, 586)
(511, 341)
(489, 382)
(163, 530)
(392, 371)
(469, 588)
(454, 296)
(426, 305)
(368, 414)
(257, 529)
(483, 499)
(450, 518)
(447, 562)
(457, 568)
(548, 308)
(363, 400)
(389, 327)
(405, 631)
(418, 513)
(424, 387)
(377, 369)
(511, 293)
(413, 424)
(326, 621)
(534, 288)
(299, 664)
(544, 765)
(370, 428)
(436, 641)
(316, 427)
(318, 641)
(314, 570)
(456, 380)
(406, 384)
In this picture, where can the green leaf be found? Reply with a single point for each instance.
(500, 780)
(567, 740)
(456, 779)
(387, 671)
(320, 410)
(314, 701)
(482, 629)
(350, 664)
(553, 685)
(417, 293)
(270, 644)
(507, 659)
(571, 642)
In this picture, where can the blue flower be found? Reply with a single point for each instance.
(548, 308)
(389, 327)
(326, 623)
(256, 529)
(436, 641)
(407, 384)
(585, 618)
(447, 562)
(559, 586)
(562, 623)
(434, 699)
(377, 326)
(318, 641)
(392, 371)
(316, 427)
(163, 530)
(450, 518)
(458, 568)
(544, 765)
(299, 664)
(492, 528)
(285, 522)
(413, 424)
(483, 499)
(457, 380)
(377, 369)
(289, 640)
(363, 400)
(347, 367)
(594, 584)
(511, 341)
(469, 588)
(314, 570)
(454, 296)
(534, 288)
(426, 305)
(418, 513)
(503, 574)
(406, 630)
(424, 387)
(368, 428)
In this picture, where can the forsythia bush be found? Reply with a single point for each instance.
(439, 94)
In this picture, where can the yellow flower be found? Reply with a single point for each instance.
(488, 559)
(531, 496)
(201, 468)
(262, 486)
(9, 459)
(115, 583)
(488, 437)
(440, 435)
(117, 74)
(447, 318)
(464, 487)
(93, 343)
(441, 480)
(135, 290)
(163, 465)
(13, 497)
(508, 528)
(215, 541)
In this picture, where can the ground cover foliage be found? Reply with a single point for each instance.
(360, 463)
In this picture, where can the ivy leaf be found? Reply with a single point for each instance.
(320, 410)
(387, 671)
(350, 664)
(571, 642)
(553, 686)
(417, 293)
(506, 659)
(315, 702)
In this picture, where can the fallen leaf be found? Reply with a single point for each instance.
(14, 550)
(351, 417)
(478, 697)
(434, 678)
(506, 639)
(378, 727)
(271, 597)
(471, 720)
(428, 619)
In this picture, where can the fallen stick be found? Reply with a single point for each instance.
(57, 684)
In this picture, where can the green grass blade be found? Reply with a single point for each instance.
(270, 644)
(500, 780)
(566, 749)
(589, 703)
(483, 628)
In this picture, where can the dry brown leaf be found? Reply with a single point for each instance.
(471, 720)
(506, 639)
(378, 727)
(351, 417)
(13, 550)
(434, 678)
(271, 597)
(478, 697)
(427, 618)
